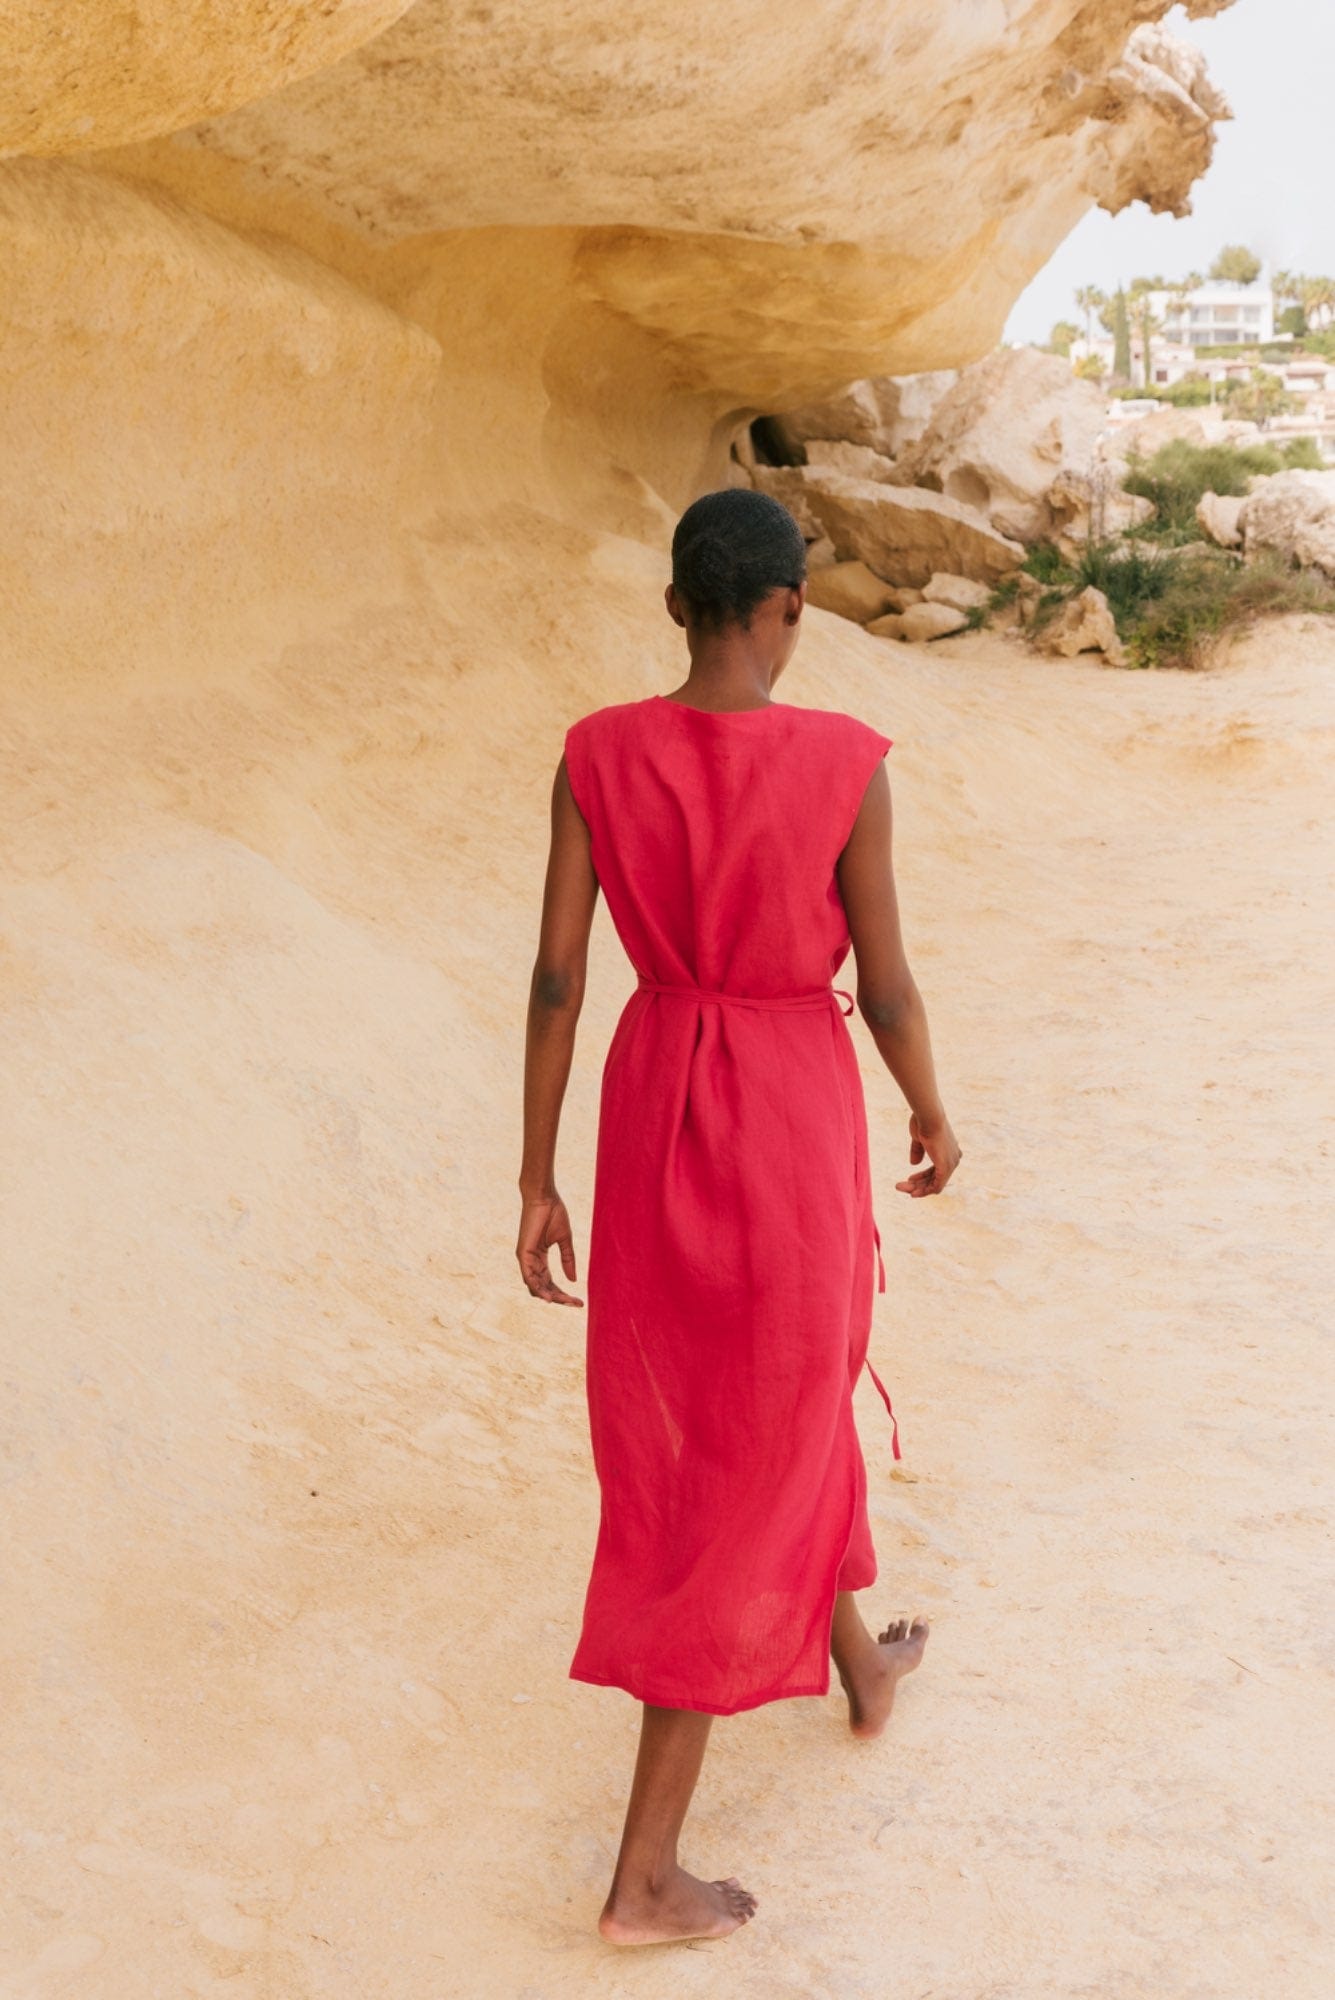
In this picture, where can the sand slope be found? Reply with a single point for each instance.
(297, 1494)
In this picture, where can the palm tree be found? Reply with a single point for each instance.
(1318, 302)
(1121, 333)
(1144, 319)
(1089, 300)
(1288, 288)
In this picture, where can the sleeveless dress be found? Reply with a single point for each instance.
(732, 1248)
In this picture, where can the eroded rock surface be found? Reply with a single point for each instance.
(1217, 517)
(1084, 624)
(906, 534)
(1002, 432)
(884, 415)
(1292, 513)
(851, 590)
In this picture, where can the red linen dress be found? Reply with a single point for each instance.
(732, 1249)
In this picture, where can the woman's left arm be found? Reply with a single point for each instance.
(556, 995)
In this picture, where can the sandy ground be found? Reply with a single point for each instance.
(298, 1504)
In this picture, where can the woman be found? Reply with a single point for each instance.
(743, 846)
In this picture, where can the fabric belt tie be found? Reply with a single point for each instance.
(885, 1393)
(782, 1004)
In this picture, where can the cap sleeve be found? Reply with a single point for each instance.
(575, 752)
(863, 752)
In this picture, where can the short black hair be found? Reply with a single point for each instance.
(730, 550)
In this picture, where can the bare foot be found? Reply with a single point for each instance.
(871, 1681)
(684, 1907)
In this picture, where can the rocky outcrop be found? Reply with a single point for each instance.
(884, 415)
(854, 461)
(919, 624)
(1292, 513)
(1163, 104)
(904, 533)
(1002, 433)
(957, 591)
(103, 74)
(851, 590)
(1217, 517)
(1084, 624)
(1091, 506)
(1143, 438)
(635, 222)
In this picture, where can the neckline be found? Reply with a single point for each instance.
(762, 708)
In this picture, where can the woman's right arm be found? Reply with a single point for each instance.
(556, 994)
(888, 1000)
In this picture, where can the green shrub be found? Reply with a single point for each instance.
(1176, 626)
(1169, 604)
(1302, 454)
(1191, 393)
(1130, 578)
(1180, 472)
(1044, 561)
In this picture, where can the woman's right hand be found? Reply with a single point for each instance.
(544, 1226)
(937, 1143)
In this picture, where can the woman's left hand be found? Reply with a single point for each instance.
(543, 1223)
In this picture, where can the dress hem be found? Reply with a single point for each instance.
(699, 1707)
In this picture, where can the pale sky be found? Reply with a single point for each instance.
(1270, 182)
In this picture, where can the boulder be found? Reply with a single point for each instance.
(932, 621)
(792, 485)
(1000, 436)
(901, 597)
(1090, 506)
(820, 553)
(1217, 517)
(1293, 513)
(920, 623)
(882, 413)
(851, 590)
(958, 591)
(1146, 434)
(856, 461)
(903, 533)
(1083, 625)
(1164, 426)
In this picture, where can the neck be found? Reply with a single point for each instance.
(729, 670)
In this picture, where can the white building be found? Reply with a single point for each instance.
(1216, 314)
